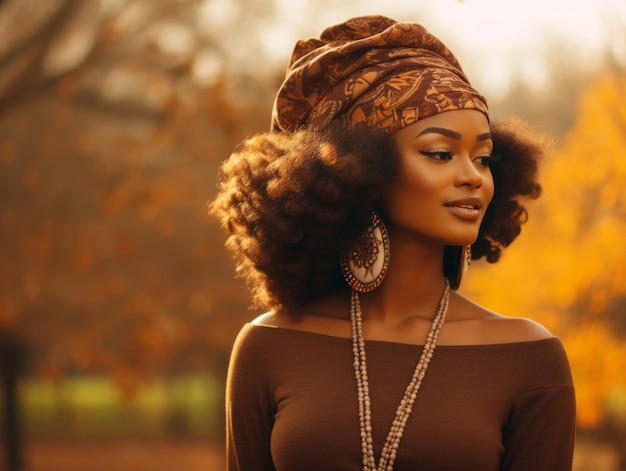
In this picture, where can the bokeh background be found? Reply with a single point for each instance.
(118, 303)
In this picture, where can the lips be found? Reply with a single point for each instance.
(466, 208)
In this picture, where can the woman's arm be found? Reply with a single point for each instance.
(249, 409)
(539, 434)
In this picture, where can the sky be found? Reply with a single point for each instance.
(493, 39)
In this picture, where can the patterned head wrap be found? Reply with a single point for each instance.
(375, 70)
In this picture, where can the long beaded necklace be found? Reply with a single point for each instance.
(389, 451)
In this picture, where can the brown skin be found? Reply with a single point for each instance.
(466, 324)
(435, 170)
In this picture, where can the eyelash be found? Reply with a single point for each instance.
(443, 155)
(440, 154)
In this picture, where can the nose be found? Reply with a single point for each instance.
(468, 174)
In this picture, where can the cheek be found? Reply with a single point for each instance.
(417, 180)
(411, 187)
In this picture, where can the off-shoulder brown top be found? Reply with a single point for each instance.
(292, 404)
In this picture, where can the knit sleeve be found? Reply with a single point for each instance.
(249, 408)
(539, 434)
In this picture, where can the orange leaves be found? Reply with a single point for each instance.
(126, 248)
(83, 259)
(114, 200)
(31, 178)
(84, 354)
(597, 171)
(568, 268)
(39, 247)
(127, 380)
(9, 317)
(7, 153)
(109, 263)
(167, 227)
(598, 363)
(67, 86)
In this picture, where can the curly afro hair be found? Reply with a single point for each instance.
(291, 203)
(517, 150)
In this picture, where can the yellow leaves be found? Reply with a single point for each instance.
(608, 95)
(598, 363)
(568, 268)
(605, 260)
(589, 170)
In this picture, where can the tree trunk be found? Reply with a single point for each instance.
(10, 359)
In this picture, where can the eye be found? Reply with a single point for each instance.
(484, 160)
(437, 154)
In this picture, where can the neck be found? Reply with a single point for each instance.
(413, 285)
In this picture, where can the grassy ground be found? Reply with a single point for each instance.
(91, 407)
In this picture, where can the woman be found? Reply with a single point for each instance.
(353, 221)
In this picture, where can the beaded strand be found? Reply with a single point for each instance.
(390, 449)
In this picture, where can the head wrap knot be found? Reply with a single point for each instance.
(374, 70)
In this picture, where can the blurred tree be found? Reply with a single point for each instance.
(551, 104)
(10, 365)
(114, 116)
(568, 269)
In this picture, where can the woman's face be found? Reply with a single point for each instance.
(444, 183)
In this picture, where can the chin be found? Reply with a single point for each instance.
(463, 237)
(469, 240)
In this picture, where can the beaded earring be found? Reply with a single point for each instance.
(367, 263)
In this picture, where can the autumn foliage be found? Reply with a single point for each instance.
(109, 262)
(568, 268)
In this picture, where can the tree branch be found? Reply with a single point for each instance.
(36, 45)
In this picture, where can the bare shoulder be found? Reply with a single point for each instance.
(264, 319)
(328, 317)
(518, 329)
(273, 319)
(477, 324)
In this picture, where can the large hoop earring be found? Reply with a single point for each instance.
(366, 265)
(456, 262)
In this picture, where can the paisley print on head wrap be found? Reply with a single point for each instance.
(372, 70)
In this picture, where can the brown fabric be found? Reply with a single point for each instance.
(374, 70)
(292, 404)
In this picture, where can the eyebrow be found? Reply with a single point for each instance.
(452, 134)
